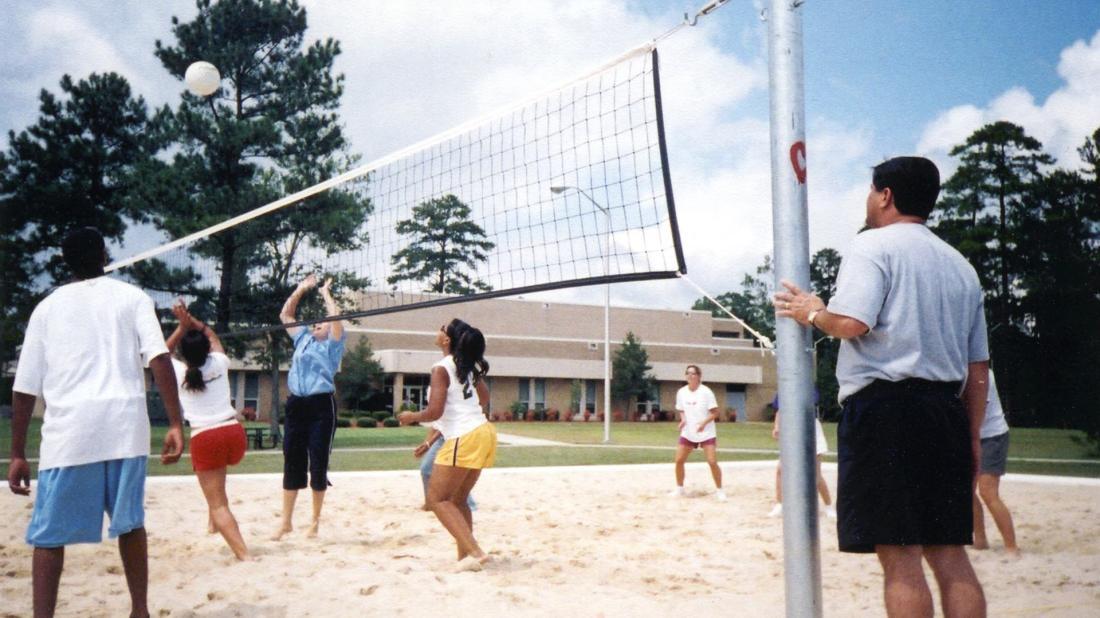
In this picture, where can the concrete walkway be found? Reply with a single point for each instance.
(514, 440)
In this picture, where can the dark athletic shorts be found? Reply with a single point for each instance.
(905, 467)
(995, 454)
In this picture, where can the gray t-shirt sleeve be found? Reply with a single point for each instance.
(861, 285)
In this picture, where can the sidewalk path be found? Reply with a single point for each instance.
(514, 440)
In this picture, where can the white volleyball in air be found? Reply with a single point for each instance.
(202, 78)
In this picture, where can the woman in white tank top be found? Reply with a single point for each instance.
(458, 400)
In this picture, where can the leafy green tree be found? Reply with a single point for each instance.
(443, 241)
(753, 303)
(824, 268)
(72, 168)
(630, 372)
(988, 192)
(270, 130)
(983, 204)
(1060, 248)
(361, 376)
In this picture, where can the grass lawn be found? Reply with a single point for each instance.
(1026, 443)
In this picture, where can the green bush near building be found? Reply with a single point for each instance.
(390, 422)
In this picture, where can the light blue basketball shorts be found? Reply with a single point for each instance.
(70, 502)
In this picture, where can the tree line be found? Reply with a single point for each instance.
(99, 156)
(1031, 228)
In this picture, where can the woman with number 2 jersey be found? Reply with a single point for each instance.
(458, 398)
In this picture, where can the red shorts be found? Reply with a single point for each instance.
(694, 445)
(218, 447)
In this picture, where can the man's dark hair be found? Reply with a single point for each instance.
(914, 181)
(83, 250)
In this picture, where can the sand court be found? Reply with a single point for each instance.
(581, 541)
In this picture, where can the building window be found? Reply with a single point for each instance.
(540, 393)
(649, 404)
(531, 392)
(233, 389)
(252, 390)
(590, 396)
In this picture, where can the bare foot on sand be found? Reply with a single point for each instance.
(282, 531)
(311, 533)
(468, 564)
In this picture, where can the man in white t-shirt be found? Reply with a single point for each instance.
(698, 409)
(83, 353)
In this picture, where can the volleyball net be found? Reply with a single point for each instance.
(567, 188)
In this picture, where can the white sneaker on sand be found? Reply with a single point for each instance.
(777, 511)
(830, 511)
(676, 493)
(720, 495)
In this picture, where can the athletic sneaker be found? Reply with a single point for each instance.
(830, 511)
(720, 495)
(676, 493)
(777, 510)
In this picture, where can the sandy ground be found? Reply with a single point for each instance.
(584, 541)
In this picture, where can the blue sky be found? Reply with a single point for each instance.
(883, 77)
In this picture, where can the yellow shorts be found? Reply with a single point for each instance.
(476, 449)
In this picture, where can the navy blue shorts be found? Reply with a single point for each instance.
(905, 467)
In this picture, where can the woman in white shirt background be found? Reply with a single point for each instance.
(217, 437)
(457, 400)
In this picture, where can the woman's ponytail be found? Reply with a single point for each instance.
(469, 356)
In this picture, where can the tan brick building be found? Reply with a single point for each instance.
(538, 349)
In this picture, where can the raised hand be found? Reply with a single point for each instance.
(308, 283)
(179, 309)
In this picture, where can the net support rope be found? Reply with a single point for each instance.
(765, 342)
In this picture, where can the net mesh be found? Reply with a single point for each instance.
(570, 188)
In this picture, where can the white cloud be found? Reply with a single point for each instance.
(71, 45)
(413, 70)
(1061, 122)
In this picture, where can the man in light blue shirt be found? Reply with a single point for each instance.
(909, 311)
(311, 407)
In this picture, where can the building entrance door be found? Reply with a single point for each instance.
(736, 399)
(414, 396)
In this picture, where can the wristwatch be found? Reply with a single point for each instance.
(813, 316)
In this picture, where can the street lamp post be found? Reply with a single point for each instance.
(606, 308)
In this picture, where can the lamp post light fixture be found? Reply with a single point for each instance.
(558, 190)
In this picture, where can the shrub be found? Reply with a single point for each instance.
(343, 422)
(518, 410)
(380, 416)
(366, 422)
(390, 422)
(552, 415)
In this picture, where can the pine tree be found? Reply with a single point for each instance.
(72, 168)
(630, 372)
(443, 241)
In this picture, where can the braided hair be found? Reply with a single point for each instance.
(194, 348)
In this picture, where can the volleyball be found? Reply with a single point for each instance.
(202, 78)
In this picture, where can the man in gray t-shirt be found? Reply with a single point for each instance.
(912, 369)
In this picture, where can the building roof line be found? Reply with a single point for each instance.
(598, 340)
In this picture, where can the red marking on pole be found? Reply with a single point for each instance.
(798, 161)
